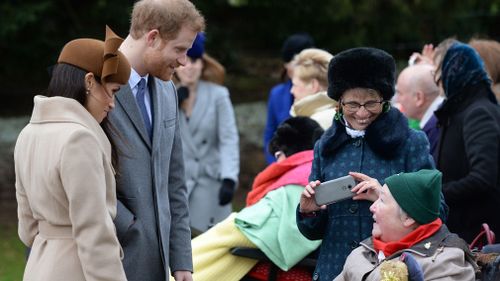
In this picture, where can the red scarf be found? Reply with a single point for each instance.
(293, 170)
(420, 233)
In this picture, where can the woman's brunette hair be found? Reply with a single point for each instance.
(69, 81)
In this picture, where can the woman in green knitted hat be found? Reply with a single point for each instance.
(406, 220)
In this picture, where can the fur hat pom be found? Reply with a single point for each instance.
(362, 68)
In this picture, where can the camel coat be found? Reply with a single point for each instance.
(66, 196)
(319, 107)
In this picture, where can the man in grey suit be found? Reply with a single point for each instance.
(152, 219)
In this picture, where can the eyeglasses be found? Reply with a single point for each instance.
(371, 106)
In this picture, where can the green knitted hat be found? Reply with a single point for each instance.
(417, 193)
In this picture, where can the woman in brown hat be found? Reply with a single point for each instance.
(65, 184)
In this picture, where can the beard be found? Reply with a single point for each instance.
(156, 66)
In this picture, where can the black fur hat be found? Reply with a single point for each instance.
(295, 134)
(361, 68)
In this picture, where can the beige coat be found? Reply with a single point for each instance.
(66, 195)
(318, 107)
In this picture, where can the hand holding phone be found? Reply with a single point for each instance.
(307, 202)
(367, 188)
(334, 190)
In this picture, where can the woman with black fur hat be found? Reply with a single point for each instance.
(367, 136)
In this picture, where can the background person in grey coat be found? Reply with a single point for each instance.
(152, 220)
(210, 142)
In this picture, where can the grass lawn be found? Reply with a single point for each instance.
(11, 254)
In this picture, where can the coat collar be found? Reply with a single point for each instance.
(154, 85)
(189, 126)
(127, 101)
(385, 136)
(425, 248)
(201, 104)
(61, 109)
(312, 104)
(458, 103)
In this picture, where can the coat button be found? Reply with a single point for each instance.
(354, 244)
(316, 276)
(196, 159)
(353, 208)
(357, 142)
(204, 142)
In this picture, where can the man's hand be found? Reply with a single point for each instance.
(183, 275)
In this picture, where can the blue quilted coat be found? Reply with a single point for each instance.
(388, 147)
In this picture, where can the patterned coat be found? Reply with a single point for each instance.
(389, 147)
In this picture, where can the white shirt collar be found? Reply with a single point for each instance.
(353, 133)
(135, 78)
(430, 111)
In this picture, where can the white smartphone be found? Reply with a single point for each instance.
(334, 190)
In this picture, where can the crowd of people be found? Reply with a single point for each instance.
(134, 150)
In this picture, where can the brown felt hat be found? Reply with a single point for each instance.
(99, 57)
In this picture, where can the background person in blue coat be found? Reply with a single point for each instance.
(210, 141)
(367, 136)
(280, 97)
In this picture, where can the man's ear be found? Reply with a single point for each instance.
(153, 38)
(420, 98)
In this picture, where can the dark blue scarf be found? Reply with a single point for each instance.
(462, 69)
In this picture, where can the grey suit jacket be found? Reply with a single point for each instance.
(152, 220)
(211, 153)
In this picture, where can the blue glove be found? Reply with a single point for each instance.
(415, 272)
